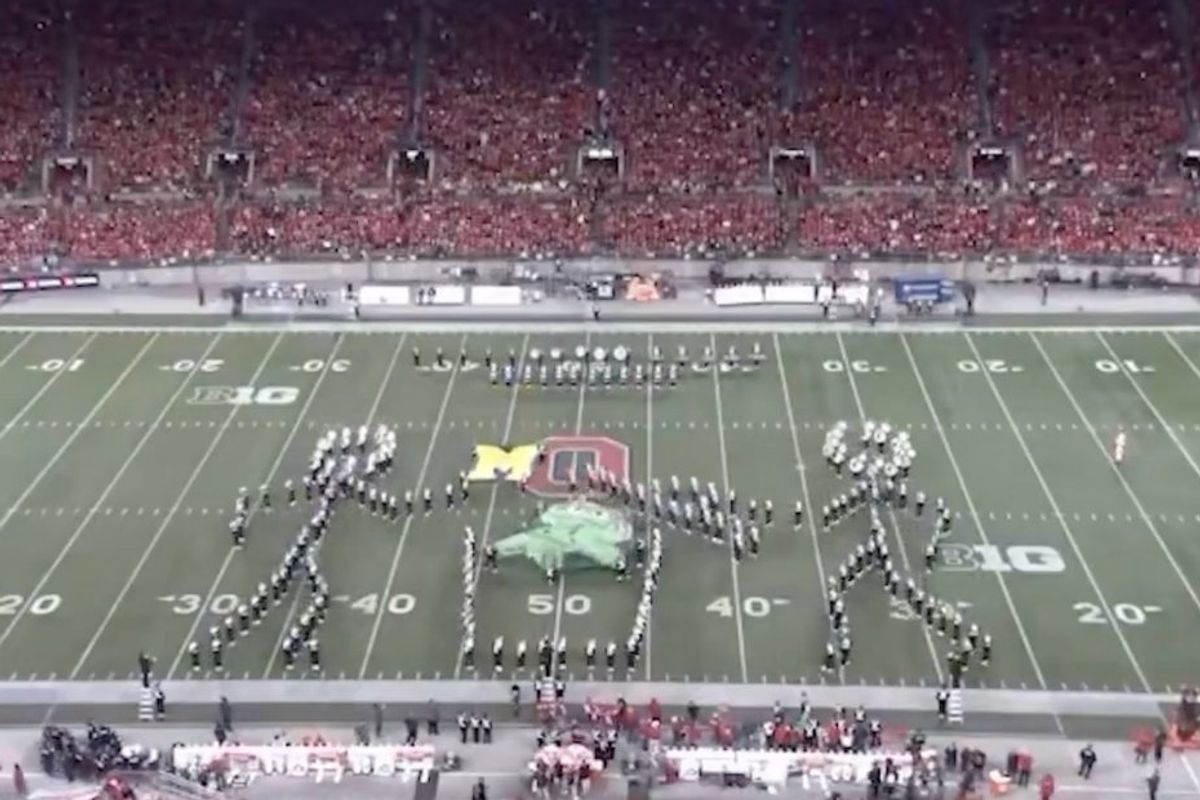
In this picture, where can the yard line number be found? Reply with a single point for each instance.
(318, 365)
(860, 365)
(194, 365)
(903, 612)
(397, 604)
(58, 365)
(225, 604)
(1110, 367)
(10, 604)
(752, 606)
(1125, 613)
(997, 366)
(574, 604)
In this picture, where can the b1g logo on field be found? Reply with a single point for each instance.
(243, 395)
(991, 558)
(568, 459)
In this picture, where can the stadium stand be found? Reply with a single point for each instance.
(885, 96)
(1093, 97)
(1090, 88)
(509, 92)
(155, 85)
(30, 109)
(328, 92)
(692, 90)
(729, 224)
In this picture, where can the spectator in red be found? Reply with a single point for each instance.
(1046, 787)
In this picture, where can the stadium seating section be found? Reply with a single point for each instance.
(1091, 100)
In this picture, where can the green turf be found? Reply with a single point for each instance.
(116, 493)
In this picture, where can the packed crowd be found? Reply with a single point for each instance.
(183, 66)
(693, 85)
(328, 92)
(1090, 87)
(696, 226)
(695, 95)
(885, 96)
(1089, 226)
(30, 46)
(529, 226)
(510, 113)
(541, 227)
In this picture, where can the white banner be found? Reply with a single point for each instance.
(775, 766)
(319, 762)
(743, 295)
(445, 295)
(495, 295)
(378, 294)
(792, 293)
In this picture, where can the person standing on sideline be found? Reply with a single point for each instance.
(225, 713)
(145, 664)
(432, 717)
(377, 712)
(20, 786)
(1087, 761)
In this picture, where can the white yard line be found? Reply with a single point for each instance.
(556, 632)
(45, 387)
(958, 474)
(1091, 429)
(374, 410)
(18, 347)
(1145, 398)
(229, 555)
(78, 429)
(648, 479)
(802, 470)
(901, 546)
(733, 566)
(1062, 519)
(187, 381)
(36, 591)
(1137, 387)
(1121, 477)
(485, 534)
(420, 482)
(1182, 353)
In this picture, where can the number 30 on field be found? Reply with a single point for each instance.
(225, 604)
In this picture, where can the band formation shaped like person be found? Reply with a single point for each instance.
(596, 367)
(880, 468)
(342, 466)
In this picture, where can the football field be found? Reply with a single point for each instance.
(121, 452)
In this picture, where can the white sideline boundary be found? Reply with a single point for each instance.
(126, 691)
(803, 327)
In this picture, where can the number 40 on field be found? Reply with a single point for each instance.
(751, 606)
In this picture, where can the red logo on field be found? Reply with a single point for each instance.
(567, 459)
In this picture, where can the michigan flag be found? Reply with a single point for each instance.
(494, 463)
